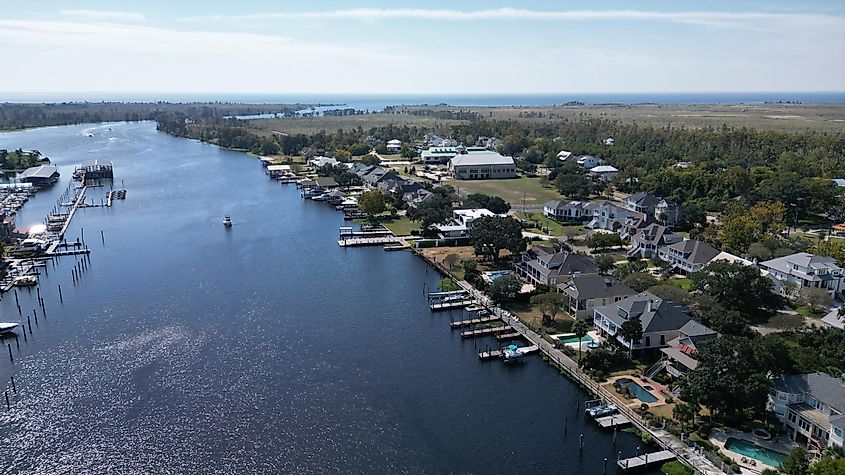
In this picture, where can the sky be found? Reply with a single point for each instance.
(413, 47)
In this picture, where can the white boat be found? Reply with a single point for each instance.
(320, 197)
(512, 353)
(6, 327)
(601, 411)
(227, 221)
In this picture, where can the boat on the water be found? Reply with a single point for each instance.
(601, 411)
(227, 221)
(26, 280)
(7, 327)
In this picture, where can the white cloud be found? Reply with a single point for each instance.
(103, 15)
(750, 20)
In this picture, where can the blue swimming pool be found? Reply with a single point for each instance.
(750, 449)
(574, 339)
(637, 391)
(499, 273)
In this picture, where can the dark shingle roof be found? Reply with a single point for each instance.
(660, 315)
(823, 387)
(591, 286)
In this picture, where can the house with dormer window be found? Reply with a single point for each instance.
(661, 319)
(807, 270)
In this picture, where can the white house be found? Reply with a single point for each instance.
(394, 146)
(567, 210)
(688, 256)
(320, 162)
(811, 407)
(661, 320)
(611, 217)
(564, 155)
(589, 161)
(481, 165)
(807, 270)
(603, 172)
(462, 221)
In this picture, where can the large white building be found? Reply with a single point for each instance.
(811, 407)
(481, 165)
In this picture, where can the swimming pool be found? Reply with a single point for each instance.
(574, 339)
(637, 391)
(750, 449)
(496, 274)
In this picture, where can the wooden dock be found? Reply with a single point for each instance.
(616, 420)
(508, 336)
(473, 321)
(370, 241)
(492, 354)
(451, 304)
(642, 461)
(485, 331)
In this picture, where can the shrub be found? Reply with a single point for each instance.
(675, 468)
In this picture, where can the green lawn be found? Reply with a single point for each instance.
(553, 226)
(511, 190)
(682, 283)
(402, 226)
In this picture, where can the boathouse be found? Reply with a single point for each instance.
(96, 169)
(43, 175)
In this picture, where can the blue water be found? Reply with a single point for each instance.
(377, 102)
(750, 449)
(189, 348)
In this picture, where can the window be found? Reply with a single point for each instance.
(791, 417)
(837, 431)
(648, 341)
(804, 424)
(662, 339)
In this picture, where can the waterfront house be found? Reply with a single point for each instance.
(473, 165)
(680, 352)
(394, 146)
(326, 183)
(461, 223)
(361, 169)
(812, 409)
(377, 175)
(564, 155)
(42, 175)
(661, 320)
(320, 162)
(567, 210)
(807, 270)
(543, 265)
(589, 161)
(588, 291)
(649, 239)
(688, 256)
(603, 172)
(610, 217)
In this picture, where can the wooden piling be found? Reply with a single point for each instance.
(14, 388)
(60, 294)
(16, 298)
(11, 358)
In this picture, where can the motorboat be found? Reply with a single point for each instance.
(7, 327)
(601, 411)
(227, 221)
(512, 353)
(320, 197)
(26, 281)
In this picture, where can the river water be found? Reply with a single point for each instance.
(189, 348)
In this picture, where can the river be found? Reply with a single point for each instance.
(189, 348)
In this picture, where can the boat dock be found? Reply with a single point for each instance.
(473, 321)
(642, 461)
(491, 354)
(346, 232)
(369, 241)
(449, 300)
(485, 331)
(508, 336)
(615, 420)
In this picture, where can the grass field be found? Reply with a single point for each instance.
(312, 125)
(513, 191)
(401, 226)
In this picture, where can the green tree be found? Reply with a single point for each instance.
(435, 210)
(372, 202)
(604, 263)
(631, 330)
(795, 463)
(550, 304)
(683, 413)
(639, 281)
(451, 261)
(737, 232)
(371, 160)
(505, 288)
(738, 287)
(603, 240)
(491, 234)
(815, 298)
(448, 285)
(828, 466)
(580, 328)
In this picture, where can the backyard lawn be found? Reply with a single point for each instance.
(682, 283)
(401, 226)
(512, 190)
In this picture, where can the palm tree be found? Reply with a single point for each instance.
(683, 412)
(580, 329)
(631, 330)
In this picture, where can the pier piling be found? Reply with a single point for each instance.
(14, 388)
(16, 298)
(60, 295)
(35, 315)
(11, 358)
(581, 442)
(6, 393)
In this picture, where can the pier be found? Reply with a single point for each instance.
(500, 353)
(473, 321)
(485, 331)
(642, 461)
(616, 420)
(508, 336)
(369, 241)
(449, 300)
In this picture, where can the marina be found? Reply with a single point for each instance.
(198, 360)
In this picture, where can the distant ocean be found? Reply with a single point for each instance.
(372, 102)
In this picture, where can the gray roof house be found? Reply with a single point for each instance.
(642, 202)
(610, 217)
(661, 320)
(588, 291)
(561, 210)
(651, 238)
(40, 176)
(542, 265)
(688, 256)
(472, 165)
(811, 407)
(807, 270)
